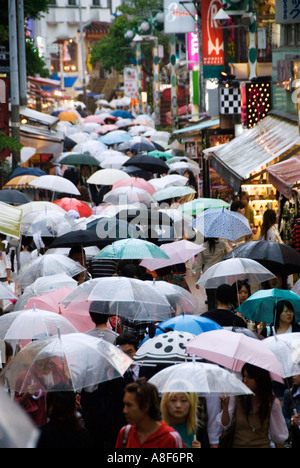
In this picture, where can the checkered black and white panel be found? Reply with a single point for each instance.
(230, 101)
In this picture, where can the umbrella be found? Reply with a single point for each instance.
(40, 206)
(110, 154)
(48, 265)
(115, 138)
(277, 257)
(182, 166)
(43, 223)
(198, 205)
(105, 129)
(92, 147)
(143, 145)
(107, 177)
(17, 428)
(94, 119)
(126, 297)
(68, 116)
(20, 182)
(123, 114)
(232, 270)
(178, 252)
(166, 348)
(6, 293)
(78, 159)
(233, 350)
(55, 184)
(261, 306)
(13, 197)
(201, 378)
(148, 163)
(68, 204)
(33, 324)
(168, 181)
(137, 182)
(296, 288)
(173, 192)
(113, 229)
(132, 249)
(136, 172)
(82, 361)
(128, 195)
(114, 163)
(10, 220)
(159, 154)
(221, 223)
(49, 301)
(84, 238)
(145, 120)
(286, 348)
(26, 171)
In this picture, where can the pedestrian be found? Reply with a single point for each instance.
(249, 212)
(242, 292)
(225, 314)
(191, 179)
(99, 313)
(284, 320)
(215, 250)
(291, 411)
(145, 427)
(253, 421)
(179, 410)
(64, 429)
(129, 343)
(269, 230)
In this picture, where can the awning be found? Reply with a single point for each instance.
(44, 141)
(254, 149)
(285, 175)
(198, 127)
(44, 82)
(38, 117)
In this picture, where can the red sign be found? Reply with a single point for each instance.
(212, 38)
(4, 113)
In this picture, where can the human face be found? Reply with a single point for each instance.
(296, 379)
(249, 381)
(132, 412)
(178, 407)
(286, 316)
(243, 294)
(128, 349)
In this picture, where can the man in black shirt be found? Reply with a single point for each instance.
(224, 314)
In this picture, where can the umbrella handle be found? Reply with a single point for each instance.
(38, 396)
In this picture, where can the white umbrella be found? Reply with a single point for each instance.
(168, 181)
(128, 195)
(55, 184)
(45, 224)
(107, 177)
(286, 348)
(40, 206)
(232, 270)
(93, 147)
(26, 153)
(6, 293)
(115, 162)
(201, 378)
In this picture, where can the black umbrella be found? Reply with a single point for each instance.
(134, 171)
(148, 163)
(74, 238)
(279, 258)
(14, 197)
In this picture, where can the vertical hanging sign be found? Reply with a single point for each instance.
(4, 113)
(212, 35)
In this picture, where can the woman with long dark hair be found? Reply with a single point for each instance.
(269, 230)
(255, 420)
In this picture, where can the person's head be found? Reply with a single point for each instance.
(128, 343)
(224, 295)
(241, 291)
(238, 207)
(189, 175)
(85, 171)
(77, 254)
(284, 314)
(244, 197)
(141, 401)
(128, 269)
(177, 408)
(212, 241)
(296, 380)
(99, 312)
(61, 404)
(269, 219)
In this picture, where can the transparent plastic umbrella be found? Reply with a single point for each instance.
(76, 360)
(201, 378)
(128, 195)
(48, 265)
(179, 298)
(6, 293)
(46, 224)
(286, 348)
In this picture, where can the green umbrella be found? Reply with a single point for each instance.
(132, 249)
(78, 159)
(172, 192)
(198, 205)
(160, 154)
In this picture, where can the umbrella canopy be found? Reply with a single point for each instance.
(232, 270)
(14, 197)
(128, 195)
(173, 192)
(79, 160)
(55, 184)
(26, 171)
(84, 238)
(10, 220)
(48, 265)
(68, 116)
(114, 163)
(20, 182)
(233, 350)
(221, 223)
(137, 182)
(296, 288)
(277, 257)
(17, 428)
(68, 204)
(142, 145)
(107, 177)
(133, 249)
(182, 166)
(6, 293)
(178, 252)
(201, 378)
(33, 324)
(286, 348)
(168, 181)
(45, 224)
(123, 114)
(165, 348)
(148, 163)
(40, 206)
(182, 301)
(261, 306)
(113, 138)
(49, 301)
(79, 360)
(198, 205)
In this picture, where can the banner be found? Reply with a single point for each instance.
(179, 18)
(212, 38)
(4, 113)
(130, 82)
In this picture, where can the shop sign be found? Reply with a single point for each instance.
(287, 11)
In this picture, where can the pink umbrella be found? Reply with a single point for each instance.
(105, 129)
(78, 315)
(178, 252)
(52, 302)
(233, 350)
(94, 119)
(137, 182)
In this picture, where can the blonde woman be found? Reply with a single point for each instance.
(179, 410)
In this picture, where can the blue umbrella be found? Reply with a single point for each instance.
(115, 138)
(20, 171)
(261, 306)
(122, 114)
(194, 324)
(222, 223)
